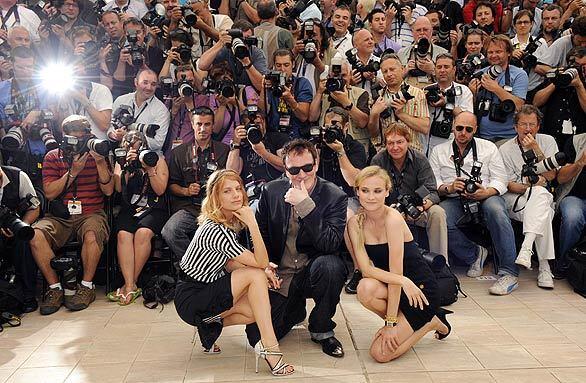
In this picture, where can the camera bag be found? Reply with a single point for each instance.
(11, 297)
(159, 289)
(448, 283)
(577, 270)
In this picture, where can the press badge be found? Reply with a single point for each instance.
(284, 121)
(568, 127)
(136, 202)
(212, 166)
(74, 207)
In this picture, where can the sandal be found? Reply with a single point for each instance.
(133, 295)
(278, 369)
(214, 350)
(115, 296)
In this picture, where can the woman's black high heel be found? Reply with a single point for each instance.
(441, 314)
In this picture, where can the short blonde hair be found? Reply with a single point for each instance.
(211, 207)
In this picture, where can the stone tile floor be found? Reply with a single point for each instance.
(532, 335)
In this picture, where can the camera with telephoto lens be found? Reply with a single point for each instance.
(493, 72)
(189, 17)
(149, 130)
(336, 83)
(155, 18)
(136, 51)
(422, 51)
(562, 78)
(15, 138)
(241, 45)
(332, 134)
(533, 168)
(467, 67)
(399, 9)
(122, 117)
(184, 52)
(225, 88)
(276, 82)
(309, 52)
(466, 28)
(72, 145)
(114, 52)
(443, 33)
(528, 60)
(253, 130)
(145, 156)
(408, 203)
(500, 112)
(402, 94)
(357, 65)
(12, 221)
(181, 88)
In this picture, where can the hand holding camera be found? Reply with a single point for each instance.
(193, 189)
(379, 105)
(239, 134)
(490, 84)
(78, 163)
(458, 186)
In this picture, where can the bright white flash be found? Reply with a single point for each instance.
(57, 78)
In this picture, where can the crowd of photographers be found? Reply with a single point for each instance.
(475, 108)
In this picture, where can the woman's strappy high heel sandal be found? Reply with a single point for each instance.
(279, 369)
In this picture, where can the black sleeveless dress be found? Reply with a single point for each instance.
(417, 270)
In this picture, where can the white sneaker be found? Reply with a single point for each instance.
(545, 279)
(524, 258)
(504, 285)
(477, 267)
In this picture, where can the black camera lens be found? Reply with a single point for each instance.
(254, 134)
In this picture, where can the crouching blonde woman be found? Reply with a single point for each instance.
(397, 283)
(223, 283)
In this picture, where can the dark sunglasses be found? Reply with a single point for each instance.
(469, 129)
(296, 169)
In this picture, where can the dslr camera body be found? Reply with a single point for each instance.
(467, 67)
(254, 133)
(407, 203)
(225, 88)
(335, 82)
(277, 81)
(357, 65)
(136, 51)
(562, 78)
(403, 93)
(472, 212)
(15, 137)
(11, 220)
(72, 145)
(309, 52)
(422, 50)
(145, 156)
(181, 88)
(241, 45)
(533, 168)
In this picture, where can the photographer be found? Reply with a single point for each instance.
(272, 36)
(398, 102)
(377, 20)
(287, 104)
(419, 58)
(312, 52)
(134, 56)
(76, 184)
(365, 64)
(409, 171)
(478, 195)
(141, 176)
(127, 8)
(13, 14)
(401, 15)
(446, 100)
(145, 108)
(351, 98)
(255, 153)
(499, 91)
(341, 40)
(557, 53)
(526, 5)
(178, 54)
(16, 197)
(246, 61)
(190, 166)
(571, 200)
(563, 99)
(17, 36)
(528, 198)
(495, 7)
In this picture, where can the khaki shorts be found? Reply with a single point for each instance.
(58, 231)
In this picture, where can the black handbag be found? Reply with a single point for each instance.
(577, 270)
(448, 283)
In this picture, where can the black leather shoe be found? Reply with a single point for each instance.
(352, 285)
(29, 305)
(331, 346)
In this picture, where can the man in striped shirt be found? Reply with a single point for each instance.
(75, 181)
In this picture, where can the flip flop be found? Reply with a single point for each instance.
(115, 296)
(133, 295)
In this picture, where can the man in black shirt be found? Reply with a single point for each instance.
(256, 153)
(190, 165)
(572, 200)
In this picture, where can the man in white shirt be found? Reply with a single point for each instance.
(13, 15)
(527, 198)
(471, 175)
(146, 109)
(132, 8)
(342, 39)
(399, 25)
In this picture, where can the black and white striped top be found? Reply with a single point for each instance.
(210, 248)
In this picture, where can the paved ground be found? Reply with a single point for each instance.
(530, 336)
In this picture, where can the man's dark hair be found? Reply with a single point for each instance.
(134, 21)
(343, 7)
(554, 7)
(182, 36)
(203, 111)
(243, 25)
(374, 12)
(528, 109)
(340, 112)
(283, 52)
(111, 13)
(484, 4)
(447, 56)
(298, 146)
(579, 26)
(267, 9)
(22, 52)
(575, 53)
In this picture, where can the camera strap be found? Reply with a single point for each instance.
(12, 12)
(146, 103)
(459, 159)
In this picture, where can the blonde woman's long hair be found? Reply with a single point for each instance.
(368, 172)
(211, 207)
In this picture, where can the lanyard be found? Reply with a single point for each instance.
(459, 159)
(146, 103)
(12, 11)
(195, 159)
(340, 42)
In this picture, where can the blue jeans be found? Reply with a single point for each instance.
(178, 232)
(573, 211)
(496, 219)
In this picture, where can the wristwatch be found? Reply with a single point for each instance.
(234, 146)
(247, 66)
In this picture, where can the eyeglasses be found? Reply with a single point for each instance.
(522, 22)
(469, 129)
(529, 125)
(296, 169)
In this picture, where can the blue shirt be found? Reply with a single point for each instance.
(302, 92)
(257, 58)
(519, 81)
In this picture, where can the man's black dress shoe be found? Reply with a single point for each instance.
(30, 305)
(331, 346)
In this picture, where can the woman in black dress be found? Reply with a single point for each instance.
(393, 269)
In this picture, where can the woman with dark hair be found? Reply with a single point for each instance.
(141, 176)
(392, 268)
(223, 283)
(522, 24)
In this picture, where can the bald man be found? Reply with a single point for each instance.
(364, 43)
(419, 71)
(469, 200)
(19, 36)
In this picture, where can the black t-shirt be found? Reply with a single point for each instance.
(254, 168)
(329, 164)
(579, 189)
(563, 104)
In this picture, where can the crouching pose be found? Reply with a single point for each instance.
(223, 283)
(392, 268)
